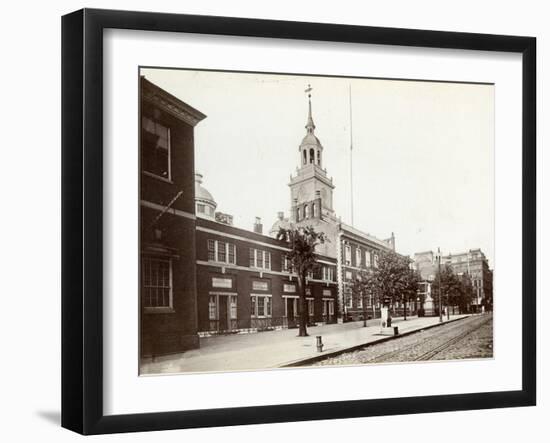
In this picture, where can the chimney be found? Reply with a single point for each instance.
(258, 227)
(280, 215)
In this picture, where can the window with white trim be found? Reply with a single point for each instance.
(368, 259)
(286, 264)
(310, 307)
(306, 211)
(347, 255)
(156, 282)
(212, 307)
(328, 273)
(358, 257)
(222, 252)
(360, 301)
(260, 306)
(349, 298)
(233, 307)
(375, 260)
(155, 148)
(259, 259)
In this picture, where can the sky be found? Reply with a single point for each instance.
(423, 152)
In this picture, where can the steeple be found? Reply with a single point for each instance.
(310, 148)
(310, 188)
(310, 126)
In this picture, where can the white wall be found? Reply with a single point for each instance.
(30, 220)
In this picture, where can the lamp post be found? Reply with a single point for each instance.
(439, 286)
(448, 306)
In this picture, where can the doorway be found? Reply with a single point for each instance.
(292, 312)
(223, 313)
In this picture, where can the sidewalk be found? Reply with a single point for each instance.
(273, 349)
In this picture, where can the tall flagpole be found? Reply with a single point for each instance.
(351, 153)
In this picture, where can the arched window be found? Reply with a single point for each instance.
(305, 156)
(298, 213)
(312, 155)
(314, 210)
(319, 157)
(306, 211)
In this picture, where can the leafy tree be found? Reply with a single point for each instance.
(391, 275)
(302, 242)
(409, 291)
(467, 295)
(363, 287)
(391, 279)
(451, 287)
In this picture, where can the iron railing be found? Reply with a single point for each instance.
(260, 324)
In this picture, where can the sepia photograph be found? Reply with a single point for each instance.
(292, 220)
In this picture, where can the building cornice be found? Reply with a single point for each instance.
(172, 105)
(356, 234)
(255, 242)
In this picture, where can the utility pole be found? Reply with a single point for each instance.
(351, 154)
(439, 286)
(448, 294)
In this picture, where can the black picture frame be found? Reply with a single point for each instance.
(82, 218)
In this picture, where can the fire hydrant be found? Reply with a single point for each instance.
(319, 344)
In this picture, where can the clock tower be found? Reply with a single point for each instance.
(310, 188)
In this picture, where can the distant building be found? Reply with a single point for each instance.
(473, 263)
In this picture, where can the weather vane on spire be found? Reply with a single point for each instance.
(310, 126)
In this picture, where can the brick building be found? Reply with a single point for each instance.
(244, 280)
(201, 275)
(168, 320)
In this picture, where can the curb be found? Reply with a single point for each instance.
(317, 358)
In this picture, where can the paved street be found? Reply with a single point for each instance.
(468, 338)
(272, 349)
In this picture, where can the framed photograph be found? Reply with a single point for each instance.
(269, 221)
